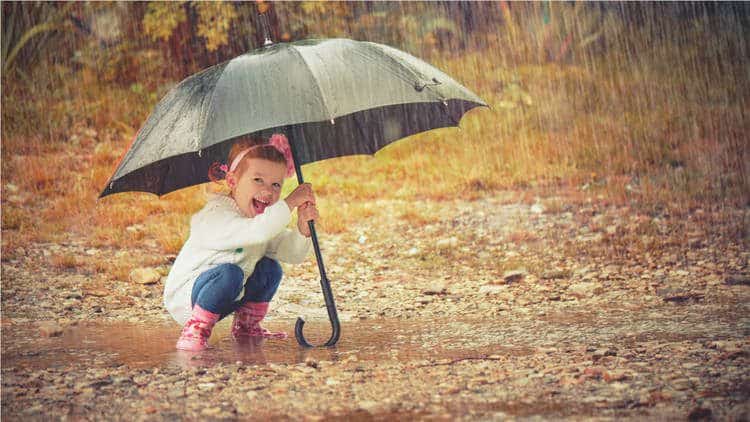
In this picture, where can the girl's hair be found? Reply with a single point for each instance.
(264, 150)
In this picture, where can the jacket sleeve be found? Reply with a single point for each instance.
(219, 227)
(290, 246)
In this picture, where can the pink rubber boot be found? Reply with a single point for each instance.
(247, 320)
(197, 330)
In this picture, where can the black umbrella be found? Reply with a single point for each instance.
(331, 97)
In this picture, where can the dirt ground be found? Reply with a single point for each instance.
(498, 309)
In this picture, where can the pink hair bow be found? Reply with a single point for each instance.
(281, 143)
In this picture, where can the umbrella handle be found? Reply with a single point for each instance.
(325, 285)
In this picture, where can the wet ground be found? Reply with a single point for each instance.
(585, 312)
(612, 363)
(153, 346)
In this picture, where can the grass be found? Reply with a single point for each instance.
(626, 128)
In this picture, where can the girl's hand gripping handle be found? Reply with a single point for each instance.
(302, 194)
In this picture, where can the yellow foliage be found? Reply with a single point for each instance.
(214, 21)
(262, 6)
(162, 18)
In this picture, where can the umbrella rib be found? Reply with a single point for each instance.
(211, 104)
(317, 82)
(404, 66)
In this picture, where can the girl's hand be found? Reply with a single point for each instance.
(306, 212)
(301, 195)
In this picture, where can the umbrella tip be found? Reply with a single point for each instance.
(265, 27)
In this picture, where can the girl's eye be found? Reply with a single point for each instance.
(276, 186)
(258, 180)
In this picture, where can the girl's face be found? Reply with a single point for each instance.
(258, 186)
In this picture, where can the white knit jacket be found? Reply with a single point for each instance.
(220, 234)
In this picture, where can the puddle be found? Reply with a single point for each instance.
(137, 346)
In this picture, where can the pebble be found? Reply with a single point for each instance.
(448, 243)
(480, 333)
(489, 289)
(367, 405)
(585, 289)
(737, 280)
(553, 274)
(50, 329)
(435, 288)
(207, 386)
(145, 276)
(514, 276)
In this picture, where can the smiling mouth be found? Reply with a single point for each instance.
(259, 205)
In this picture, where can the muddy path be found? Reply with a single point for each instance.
(498, 309)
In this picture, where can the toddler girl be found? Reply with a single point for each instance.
(229, 262)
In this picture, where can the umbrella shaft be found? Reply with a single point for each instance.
(324, 283)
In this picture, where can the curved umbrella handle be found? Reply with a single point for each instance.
(325, 285)
(330, 306)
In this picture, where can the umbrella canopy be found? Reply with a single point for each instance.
(335, 97)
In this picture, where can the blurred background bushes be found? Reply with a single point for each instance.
(651, 93)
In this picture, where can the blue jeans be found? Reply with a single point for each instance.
(215, 289)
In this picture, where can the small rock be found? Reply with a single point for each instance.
(362, 239)
(74, 294)
(677, 294)
(412, 252)
(424, 300)
(311, 362)
(615, 376)
(737, 280)
(367, 405)
(135, 228)
(585, 289)
(537, 208)
(553, 274)
(211, 411)
(144, 276)
(435, 288)
(11, 188)
(700, 414)
(448, 243)
(490, 289)
(514, 275)
(206, 386)
(681, 384)
(50, 329)
(600, 353)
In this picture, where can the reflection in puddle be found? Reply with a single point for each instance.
(138, 346)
